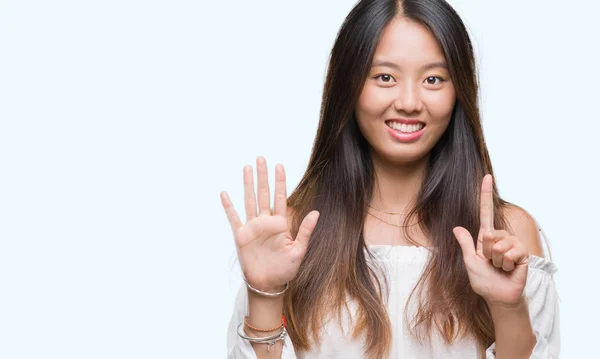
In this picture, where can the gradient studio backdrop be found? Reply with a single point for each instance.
(121, 121)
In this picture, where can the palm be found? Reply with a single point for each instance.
(497, 268)
(269, 256)
(273, 257)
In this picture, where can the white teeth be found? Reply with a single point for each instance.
(404, 127)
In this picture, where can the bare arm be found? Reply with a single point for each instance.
(514, 334)
(264, 312)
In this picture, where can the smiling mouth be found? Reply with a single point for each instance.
(404, 128)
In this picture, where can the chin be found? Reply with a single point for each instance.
(404, 157)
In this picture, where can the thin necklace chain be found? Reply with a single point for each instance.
(393, 224)
(393, 213)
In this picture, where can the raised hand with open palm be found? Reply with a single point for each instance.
(269, 256)
(498, 266)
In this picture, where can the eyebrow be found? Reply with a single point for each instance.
(425, 67)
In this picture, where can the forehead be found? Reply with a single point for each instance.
(408, 44)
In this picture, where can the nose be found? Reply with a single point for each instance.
(408, 99)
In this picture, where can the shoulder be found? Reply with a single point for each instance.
(524, 227)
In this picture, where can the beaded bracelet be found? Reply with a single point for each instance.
(283, 322)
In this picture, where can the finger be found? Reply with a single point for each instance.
(498, 251)
(306, 228)
(249, 196)
(487, 203)
(280, 191)
(508, 264)
(515, 256)
(489, 239)
(264, 196)
(465, 240)
(232, 216)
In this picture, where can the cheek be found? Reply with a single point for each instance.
(440, 105)
(371, 102)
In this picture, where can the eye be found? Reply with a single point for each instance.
(434, 78)
(385, 77)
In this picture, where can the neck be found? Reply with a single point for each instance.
(397, 184)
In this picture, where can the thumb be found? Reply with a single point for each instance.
(465, 240)
(307, 227)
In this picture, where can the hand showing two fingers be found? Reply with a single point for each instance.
(498, 266)
(269, 256)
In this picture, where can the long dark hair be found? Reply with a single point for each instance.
(339, 183)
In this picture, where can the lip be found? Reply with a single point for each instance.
(405, 137)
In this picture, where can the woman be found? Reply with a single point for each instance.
(395, 244)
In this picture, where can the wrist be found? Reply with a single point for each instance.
(501, 307)
(264, 312)
(508, 314)
(259, 298)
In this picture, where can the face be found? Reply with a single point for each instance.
(408, 96)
